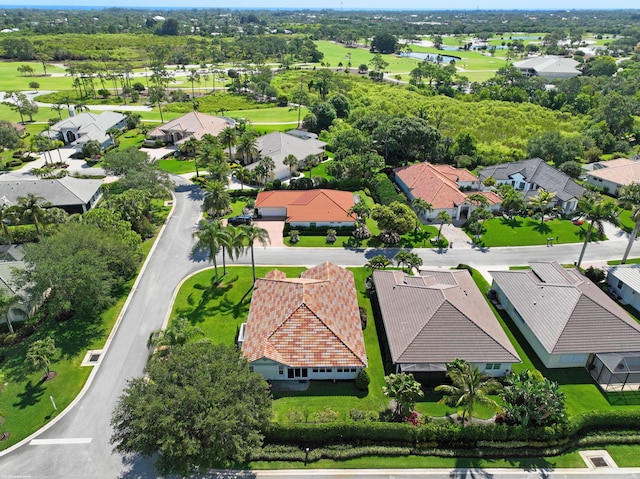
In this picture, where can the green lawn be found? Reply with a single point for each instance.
(522, 231)
(177, 167)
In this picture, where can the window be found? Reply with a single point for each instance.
(490, 366)
(619, 285)
(281, 370)
(250, 369)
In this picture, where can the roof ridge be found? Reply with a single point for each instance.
(571, 316)
(426, 323)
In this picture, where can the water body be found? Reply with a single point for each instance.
(432, 57)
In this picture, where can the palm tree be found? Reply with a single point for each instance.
(179, 333)
(217, 200)
(247, 147)
(243, 175)
(269, 166)
(253, 233)
(209, 241)
(542, 201)
(596, 210)
(630, 195)
(469, 387)
(5, 304)
(58, 107)
(40, 353)
(443, 217)
(193, 77)
(232, 244)
(228, 137)
(421, 207)
(292, 162)
(7, 217)
(32, 209)
(379, 261)
(402, 258)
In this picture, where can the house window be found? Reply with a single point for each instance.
(490, 366)
(297, 373)
(250, 369)
(281, 370)
(619, 285)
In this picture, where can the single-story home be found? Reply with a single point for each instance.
(549, 67)
(279, 145)
(307, 208)
(193, 124)
(444, 187)
(567, 319)
(305, 328)
(529, 176)
(73, 195)
(613, 174)
(436, 317)
(624, 282)
(77, 130)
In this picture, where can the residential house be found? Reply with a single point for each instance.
(307, 208)
(567, 320)
(436, 317)
(532, 175)
(549, 67)
(444, 187)
(193, 124)
(305, 328)
(77, 130)
(624, 282)
(278, 146)
(73, 195)
(611, 175)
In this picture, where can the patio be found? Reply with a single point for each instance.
(616, 372)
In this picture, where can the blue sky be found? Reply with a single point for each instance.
(351, 4)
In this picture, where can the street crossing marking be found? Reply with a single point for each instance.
(70, 440)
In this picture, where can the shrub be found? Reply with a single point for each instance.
(383, 190)
(389, 237)
(327, 415)
(363, 380)
(14, 163)
(363, 318)
(361, 232)
(596, 275)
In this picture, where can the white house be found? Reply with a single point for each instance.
(77, 130)
(624, 281)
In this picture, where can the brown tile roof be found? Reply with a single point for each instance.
(438, 184)
(567, 312)
(193, 124)
(310, 205)
(621, 171)
(439, 316)
(311, 321)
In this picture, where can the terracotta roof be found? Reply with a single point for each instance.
(567, 312)
(311, 321)
(309, 205)
(455, 174)
(193, 124)
(439, 316)
(621, 171)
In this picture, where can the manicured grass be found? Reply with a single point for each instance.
(626, 223)
(130, 139)
(11, 79)
(335, 53)
(522, 231)
(270, 115)
(177, 167)
(624, 455)
(629, 261)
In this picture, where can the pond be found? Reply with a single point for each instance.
(432, 57)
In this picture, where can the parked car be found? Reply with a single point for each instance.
(240, 220)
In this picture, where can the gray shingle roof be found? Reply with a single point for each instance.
(438, 317)
(536, 170)
(278, 145)
(567, 312)
(629, 274)
(65, 191)
(549, 64)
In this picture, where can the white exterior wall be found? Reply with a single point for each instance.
(612, 187)
(627, 294)
(272, 211)
(272, 370)
(577, 360)
(503, 369)
(328, 224)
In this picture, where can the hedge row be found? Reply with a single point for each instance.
(384, 191)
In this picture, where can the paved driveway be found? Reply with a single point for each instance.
(275, 229)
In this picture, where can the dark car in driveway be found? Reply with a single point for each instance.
(240, 220)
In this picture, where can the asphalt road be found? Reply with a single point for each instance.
(77, 445)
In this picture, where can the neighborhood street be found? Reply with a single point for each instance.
(77, 444)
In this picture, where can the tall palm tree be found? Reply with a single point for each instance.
(542, 201)
(630, 195)
(179, 333)
(421, 207)
(443, 217)
(228, 137)
(217, 200)
(32, 209)
(469, 387)
(269, 166)
(402, 258)
(5, 304)
(292, 162)
(253, 233)
(247, 147)
(596, 210)
(7, 217)
(232, 244)
(379, 261)
(209, 238)
(243, 175)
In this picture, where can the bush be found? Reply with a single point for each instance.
(23, 234)
(596, 275)
(363, 380)
(384, 191)
(13, 163)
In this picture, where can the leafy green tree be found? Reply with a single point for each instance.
(360, 211)
(40, 353)
(596, 210)
(531, 400)
(111, 220)
(6, 301)
(396, 217)
(552, 146)
(9, 136)
(178, 333)
(80, 266)
(136, 171)
(133, 206)
(542, 201)
(405, 391)
(629, 195)
(468, 387)
(340, 104)
(91, 149)
(571, 168)
(384, 43)
(198, 409)
(253, 233)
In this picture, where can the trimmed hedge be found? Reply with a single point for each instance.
(384, 191)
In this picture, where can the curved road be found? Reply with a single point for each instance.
(77, 445)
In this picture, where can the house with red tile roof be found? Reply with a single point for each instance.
(307, 207)
(305, 328)
(446, 188)
(192, 124)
